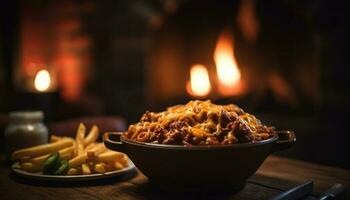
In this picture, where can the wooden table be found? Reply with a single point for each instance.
(275, 175)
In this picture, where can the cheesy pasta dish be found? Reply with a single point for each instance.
(199, 123)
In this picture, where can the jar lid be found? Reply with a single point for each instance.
(27, 115)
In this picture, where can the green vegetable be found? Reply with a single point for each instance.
(61, 168)
(51, 163)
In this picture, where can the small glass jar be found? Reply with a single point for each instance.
(25, 129)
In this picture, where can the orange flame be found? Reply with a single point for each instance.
(42, 80)
(227, 69)
(199, 84)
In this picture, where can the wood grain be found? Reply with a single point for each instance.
(282, 173)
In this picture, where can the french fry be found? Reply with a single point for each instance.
(54, 138)
(77, 161)
(30, 167)
(124, 161)
(97, 149)
(92, 136)
(73, 171)
(41, 149)
(100, 168)
(85, 169)
(117, 165)
(80, 144)
(79, 139)
(66, 154)
(90, 146)
(109, 156)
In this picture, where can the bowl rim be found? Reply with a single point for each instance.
(199, 147)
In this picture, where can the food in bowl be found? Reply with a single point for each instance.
(199, 123)
(189, 145)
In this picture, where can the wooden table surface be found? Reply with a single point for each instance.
(274, 176)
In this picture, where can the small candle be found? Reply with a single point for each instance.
(42, 81)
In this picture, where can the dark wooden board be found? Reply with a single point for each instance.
(275, 175)
(283, 173)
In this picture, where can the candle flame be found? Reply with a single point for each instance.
(199, 84)
(42, 80)
(227, 69)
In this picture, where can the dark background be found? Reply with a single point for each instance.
(119, 43)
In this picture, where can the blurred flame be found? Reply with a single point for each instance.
(199, 84)
(42, 80)
(227, 70)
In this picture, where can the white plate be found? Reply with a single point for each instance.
(39, 176)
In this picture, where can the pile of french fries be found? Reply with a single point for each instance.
(84, 154)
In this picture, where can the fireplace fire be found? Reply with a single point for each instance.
(199, 85)
(228, 72)
(228, 75)
(243, 57)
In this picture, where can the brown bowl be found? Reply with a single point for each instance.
(227, 165)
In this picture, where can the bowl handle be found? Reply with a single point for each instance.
(117, 144)
(282, 144)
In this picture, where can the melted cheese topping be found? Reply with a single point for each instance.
(199, 122)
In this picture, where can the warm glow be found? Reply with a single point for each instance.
(199, 84)
(42, 80)
(226, 65)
